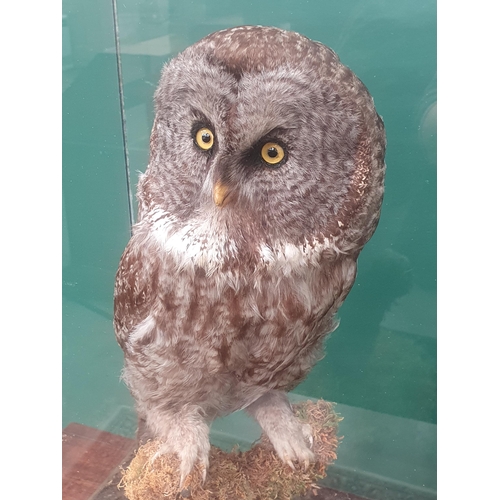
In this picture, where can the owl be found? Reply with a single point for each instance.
(265, 181)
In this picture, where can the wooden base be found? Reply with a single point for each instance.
(92, 462)
(89, 459)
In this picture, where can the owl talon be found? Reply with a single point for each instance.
(158, 454)
(307, 433)
(204, 468)
(181, 482)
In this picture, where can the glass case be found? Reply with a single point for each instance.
(380, 364)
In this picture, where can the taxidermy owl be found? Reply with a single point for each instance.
(265, 181)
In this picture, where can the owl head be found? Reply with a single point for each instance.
(264, 143)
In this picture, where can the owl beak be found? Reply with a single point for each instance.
(220, 193)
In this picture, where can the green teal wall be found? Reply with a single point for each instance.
(382, 358)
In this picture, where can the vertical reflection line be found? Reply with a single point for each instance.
(122, 112)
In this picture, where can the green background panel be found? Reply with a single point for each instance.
(382, 358)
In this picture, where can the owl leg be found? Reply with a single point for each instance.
(291, 439)
(184, 433)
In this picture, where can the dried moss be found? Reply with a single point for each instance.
(257, 474)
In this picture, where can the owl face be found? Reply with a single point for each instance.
(265, 140)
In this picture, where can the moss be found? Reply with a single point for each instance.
(257, 474)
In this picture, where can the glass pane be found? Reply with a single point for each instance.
(96, 222)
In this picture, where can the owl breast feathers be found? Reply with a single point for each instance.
(265, 181)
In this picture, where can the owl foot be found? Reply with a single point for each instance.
(187, 437)
(291, 439)
(188, 456)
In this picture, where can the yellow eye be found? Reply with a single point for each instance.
(272, 153)
(204, 138)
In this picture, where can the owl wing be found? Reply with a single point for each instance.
(135, 289)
